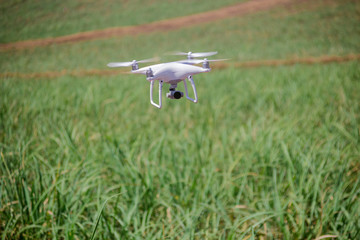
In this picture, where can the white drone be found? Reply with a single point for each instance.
(172, 73)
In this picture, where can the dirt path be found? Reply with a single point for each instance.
(251, 64)
(239, 9)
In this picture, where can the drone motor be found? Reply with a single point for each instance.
(135, 65)
(206, 64)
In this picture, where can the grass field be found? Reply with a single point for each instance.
(37, 19)
(267, 153)
(332, 30)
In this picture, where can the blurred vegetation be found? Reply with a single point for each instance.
(21, 20)
(331, 30)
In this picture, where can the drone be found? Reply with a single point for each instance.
(172, 73)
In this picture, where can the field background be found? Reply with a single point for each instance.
(267, 153)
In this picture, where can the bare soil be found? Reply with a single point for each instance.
(236, 10)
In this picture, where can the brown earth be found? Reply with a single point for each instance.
(249, 64)
(239, 9)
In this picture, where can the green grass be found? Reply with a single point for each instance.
(283, 141)
(267, 152)
(21, 20)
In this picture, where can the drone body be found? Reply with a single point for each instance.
(171, 73)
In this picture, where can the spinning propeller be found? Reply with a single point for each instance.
(197, 61)
(133, 63)
(192, 55)
(205, 61)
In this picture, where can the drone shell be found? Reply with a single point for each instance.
(168, 72)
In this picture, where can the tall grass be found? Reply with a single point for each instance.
(267, 153)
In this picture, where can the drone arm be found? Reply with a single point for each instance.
(151, 93)
(193, 87)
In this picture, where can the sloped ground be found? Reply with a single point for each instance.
(165, 25)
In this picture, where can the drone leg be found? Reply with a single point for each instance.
(193, 87)
(151, 93)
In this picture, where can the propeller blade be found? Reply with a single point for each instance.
(191, 61)
(196, 55)
(217, 60)
(119, 64)
(155, 59)
(197, 61)
(128, 64)
(203, 54)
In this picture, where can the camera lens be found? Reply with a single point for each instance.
(177, 95)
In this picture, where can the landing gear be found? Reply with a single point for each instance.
(193, 87)
(173, 93)
(160, 91)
